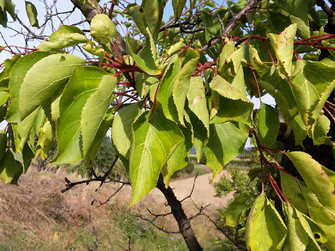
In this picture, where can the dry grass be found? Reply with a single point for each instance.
(32, 212)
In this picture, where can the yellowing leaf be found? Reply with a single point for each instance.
(315, 178)
(146, 59)
(265, 228)
(197, 101)
(182, 84)
(283, 46)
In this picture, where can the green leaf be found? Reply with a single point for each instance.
(287, 99)
(283, 46)
(27, 156)
(175, 48)
(25, 128)
(146, 59)
(320, 130)
(212, 29)
(234, 106)
(265, 228)
(315, 177)
(316, 81)
(137, 13)
(10, 8)
(222, 147)
(256, 62)
(83, 83)
(292, 192)
(46, 139)
(3, 143)
(178, 6)
(122, 127)
(298, 8)
(19, 72)
(182, 83)
(200, 137)
(237, 209)
(297, 238)
(197, 101)
(95, 109)
(267, 124)
(153, 11)
(9, 64)
(320, 214)
(180, 156)
(152, 134)
(10, 169)
(64, 37)
(32, 14)
(100, 135)
(2, 5)
(164, 94)
(227, 50)
(90, 47)
(52, 71)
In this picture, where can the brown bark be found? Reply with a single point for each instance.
(180, 216)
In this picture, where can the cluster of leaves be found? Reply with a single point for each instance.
(194, 94)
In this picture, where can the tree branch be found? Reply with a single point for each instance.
(231, 25)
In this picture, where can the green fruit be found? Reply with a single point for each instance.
(102, 28)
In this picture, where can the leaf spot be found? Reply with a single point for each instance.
(62, 59)
(196, 100)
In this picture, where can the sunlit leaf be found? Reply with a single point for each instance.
(94, 111)
(146, 59)
(197, 101)
(283, 46)
(46, 139)
(315, 178)
(19, 72)
(121, 129)
(52, 71)
(265, 228)
(234, 106)
(182, 84)
(152, 133)
(64, 37)
(83, 83)
(164, 94)
(153, 11)
(180, 156)
(298, 8)
(320, 214)
(137, 14)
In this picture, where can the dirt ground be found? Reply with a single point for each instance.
(203, 193)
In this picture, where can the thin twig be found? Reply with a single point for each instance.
(96, 243)
(231, 25)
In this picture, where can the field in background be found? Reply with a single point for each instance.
(36, 216)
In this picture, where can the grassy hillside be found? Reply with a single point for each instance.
(36, 216)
